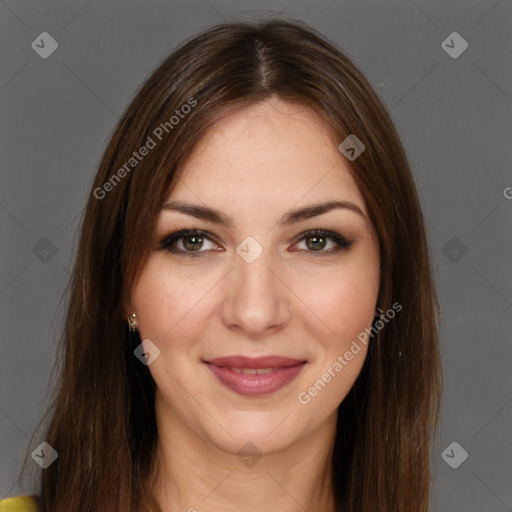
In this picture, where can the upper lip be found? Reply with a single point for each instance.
(239, 361)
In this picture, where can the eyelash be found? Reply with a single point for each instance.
(168, 242)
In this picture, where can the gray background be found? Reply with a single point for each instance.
(454, 116)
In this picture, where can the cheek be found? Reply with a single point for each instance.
(164, 300)
(344, 301)
(345, 304)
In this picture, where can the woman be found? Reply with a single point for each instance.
(252, 318)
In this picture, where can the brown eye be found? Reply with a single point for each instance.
(190, 240)
(316, 242)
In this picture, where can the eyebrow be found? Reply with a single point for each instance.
(291, 217)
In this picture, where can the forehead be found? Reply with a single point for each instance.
(268, 155)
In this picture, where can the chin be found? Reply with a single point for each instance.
(263, 431)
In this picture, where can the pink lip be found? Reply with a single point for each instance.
(255, 362)
(286, 370)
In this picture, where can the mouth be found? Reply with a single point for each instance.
(259, 376)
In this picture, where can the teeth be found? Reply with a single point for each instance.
(253, 371)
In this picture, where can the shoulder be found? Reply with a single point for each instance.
(19, 504)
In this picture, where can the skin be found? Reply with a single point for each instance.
(295, 299)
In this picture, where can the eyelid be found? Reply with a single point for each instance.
(178, 234)
(332, 235)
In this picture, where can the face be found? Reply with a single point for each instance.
(258, 281)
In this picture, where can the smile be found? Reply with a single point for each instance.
(255, 376)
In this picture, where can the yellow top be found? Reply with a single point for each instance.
(19, 504)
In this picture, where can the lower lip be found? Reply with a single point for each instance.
(253, 384)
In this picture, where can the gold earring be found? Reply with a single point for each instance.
(132, 322)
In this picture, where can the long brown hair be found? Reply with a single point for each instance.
(101, 418)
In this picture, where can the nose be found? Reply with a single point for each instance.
(257, 301)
